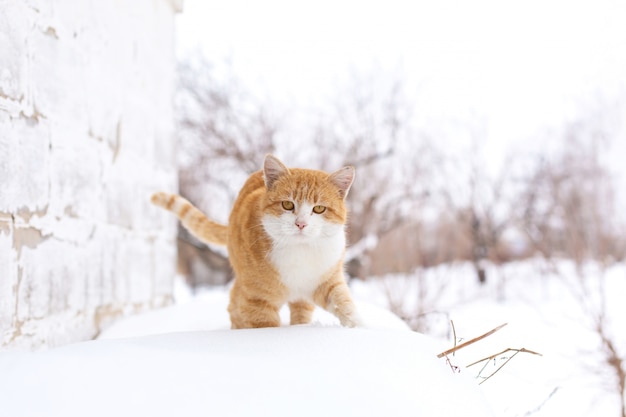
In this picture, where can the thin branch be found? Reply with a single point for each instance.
(454, 368)
(471, 341)
(495, 355)
(540, 406)
(453, 333)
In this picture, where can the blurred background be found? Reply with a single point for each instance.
(481, 131)
(488, 137)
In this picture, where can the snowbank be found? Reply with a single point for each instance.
(299, 370)
(312, 370)
(208, 311)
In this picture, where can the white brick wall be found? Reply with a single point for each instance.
(86, 135)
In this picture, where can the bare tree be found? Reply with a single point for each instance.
(614, 358)
(588, 285)
(371, 128)
(568, 206)
(224, 132)
(568, 210)
(483, 205)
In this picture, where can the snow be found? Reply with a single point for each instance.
(303, 370)
(184, 360)
(549, 308)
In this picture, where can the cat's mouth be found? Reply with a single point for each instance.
(300, 233)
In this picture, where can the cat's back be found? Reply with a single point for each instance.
(247, 201)
(254, 185)
(244, 223)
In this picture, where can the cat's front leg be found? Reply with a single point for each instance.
(301, 312)
(249, 310)
(254, 313)
(333, 296)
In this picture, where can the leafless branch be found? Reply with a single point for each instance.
(471, 341)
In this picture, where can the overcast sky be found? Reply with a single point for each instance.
(520, 66)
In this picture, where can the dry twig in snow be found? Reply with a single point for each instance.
(469, 342)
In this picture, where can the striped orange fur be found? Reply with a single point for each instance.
(286, 243)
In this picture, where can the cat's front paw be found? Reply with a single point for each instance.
(352, 319)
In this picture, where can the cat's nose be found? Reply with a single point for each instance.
(301, 224)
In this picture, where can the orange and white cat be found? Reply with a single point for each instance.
(286, 243)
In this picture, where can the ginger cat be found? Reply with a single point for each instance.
(286, 242)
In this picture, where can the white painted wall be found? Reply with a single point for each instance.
(86, 135)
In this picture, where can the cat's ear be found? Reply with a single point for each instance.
(343, 180)
(272, 170)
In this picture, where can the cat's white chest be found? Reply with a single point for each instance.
(302, 266)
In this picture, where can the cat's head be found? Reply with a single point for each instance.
(302, 204)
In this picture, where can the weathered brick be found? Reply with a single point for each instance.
(8, 276)
(25, 168)
(86, 135)
(16, 22)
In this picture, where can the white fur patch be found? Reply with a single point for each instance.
(303, 257)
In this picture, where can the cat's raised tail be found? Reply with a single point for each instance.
(192, 219)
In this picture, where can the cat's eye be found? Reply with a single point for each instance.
(319, 209)
(288, 205)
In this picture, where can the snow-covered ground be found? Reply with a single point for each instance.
(184, 360)
(193, 365)
(550, 308)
